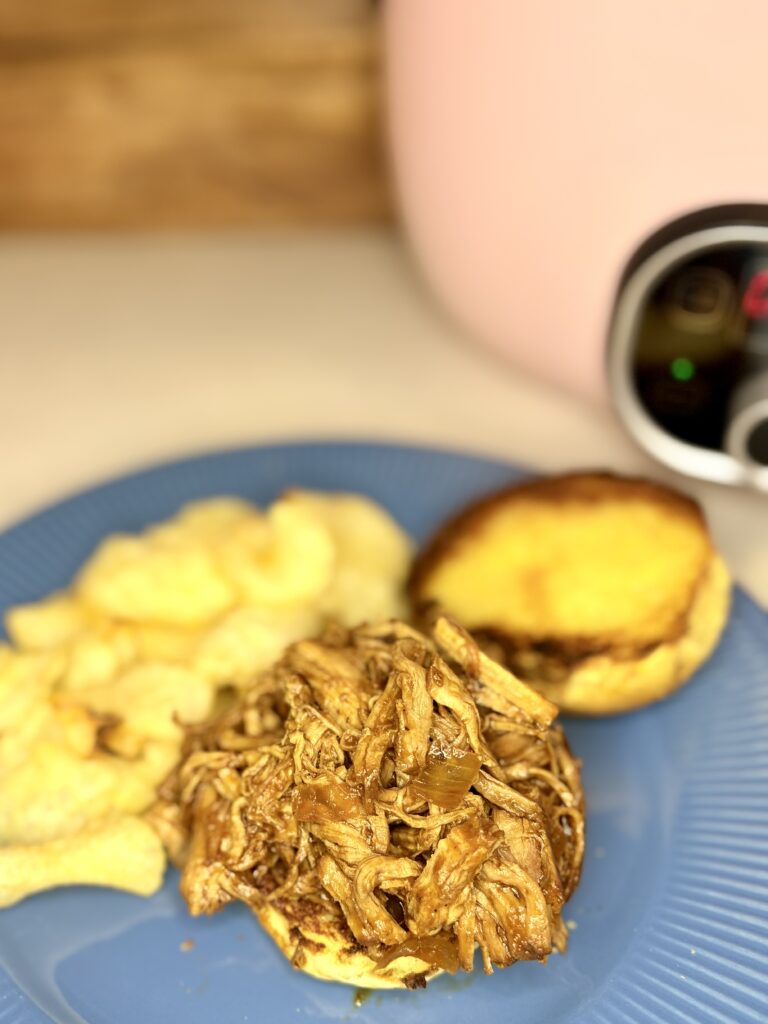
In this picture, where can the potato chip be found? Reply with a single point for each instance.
(98, 655)
(46, 624)
(136, 580)
(248, 640)
(356, 597)
(137, 779)
(121, 852)
(55, 792)
(373, 557)
(26, 680)
(284, 560)
(365, 534)
(205, 522)
(150, 699)
(75, 726)
(165, 643)
(15, 743)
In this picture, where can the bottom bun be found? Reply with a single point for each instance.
(334, 957)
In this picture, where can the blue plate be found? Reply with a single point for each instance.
(670, 923)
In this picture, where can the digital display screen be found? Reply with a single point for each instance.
(704, 327)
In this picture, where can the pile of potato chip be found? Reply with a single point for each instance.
(158, 629)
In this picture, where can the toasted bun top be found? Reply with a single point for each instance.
(585, 561)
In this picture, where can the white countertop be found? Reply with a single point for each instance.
(118, 351)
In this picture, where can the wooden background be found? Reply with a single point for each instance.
(199, 113)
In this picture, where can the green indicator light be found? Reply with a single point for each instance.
(682, 369)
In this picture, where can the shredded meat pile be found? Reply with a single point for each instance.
(404, 793)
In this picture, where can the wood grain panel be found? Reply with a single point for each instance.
(195, 113)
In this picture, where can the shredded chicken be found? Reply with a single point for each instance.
(404, 790)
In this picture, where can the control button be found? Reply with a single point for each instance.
(682, 369)
(700, 299)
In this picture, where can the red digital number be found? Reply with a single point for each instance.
(755, 301)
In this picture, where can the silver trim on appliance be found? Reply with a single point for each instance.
(687, 458)
(749, 408)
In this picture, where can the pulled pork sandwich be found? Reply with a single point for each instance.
(386, 803)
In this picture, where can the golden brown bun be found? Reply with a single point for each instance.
(603, 592)
(335, 957)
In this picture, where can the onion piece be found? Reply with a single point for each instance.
(446, 779)
(327, 801)
(439, 951)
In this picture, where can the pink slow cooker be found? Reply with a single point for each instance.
(586, 187)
